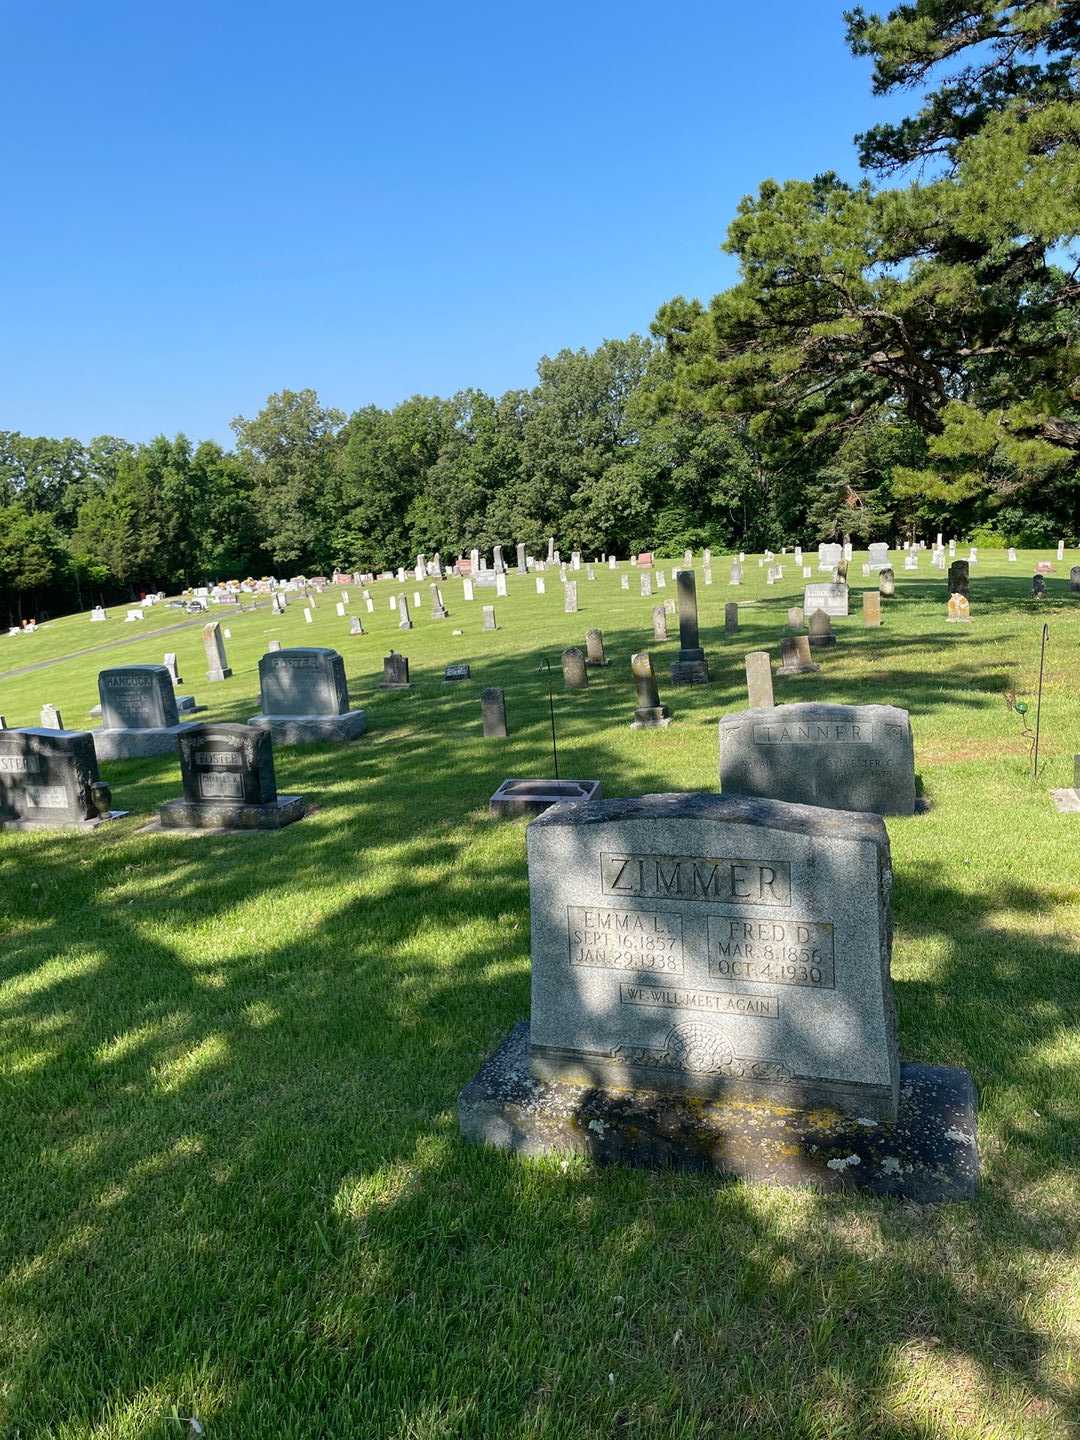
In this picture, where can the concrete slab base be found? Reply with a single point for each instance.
(184, 814)
(928, 1154)
(313, 729)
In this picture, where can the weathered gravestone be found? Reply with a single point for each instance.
(574, 670)
(958, 610)
(690, 667)
(1074, 580)
(404, 618)
(570, 597)
(395, 672)
(659, 622)
(871, 607)
(832, 598)
(759, 687)
(489, 617)
(493, 713)
(959, 583)
(886, 581)
(595, 657)
(841, 757)
(795, 656)
(50, 778)
(139, 715)
(820, 630)
(1038, 587)
(649, 714)
(731, 618)
(711, 989)
(305, 697)
(879, 555)
(454, 673)
(214, 647)
(227, 773)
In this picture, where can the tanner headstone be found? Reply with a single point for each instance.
(841, 757)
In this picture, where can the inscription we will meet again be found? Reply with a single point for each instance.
(697, 877)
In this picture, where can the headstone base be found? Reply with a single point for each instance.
(228, 815)
(799, 668)
(122, 744)
(928, 1154)
(312, 729)
(80, 825)
(651, 719)
(821, 642)
(597, 664)
(958, 619)
(1066, 802)
(690, 672)
(394, 685)
(218, 674)
(533, 797)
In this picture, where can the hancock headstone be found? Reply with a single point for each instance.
(842, 757)
(305, 697)
(759, 686)
(959, 583)
(594, 649)
(832, 598)
(570, 597)
(958, 610)
(339, 610)
(50, 778)
(395, 672)
(690, 667)
(795, 656)
(227, 773)
(871, 607)
(645, 580)
(731, 618)
(493, 713)
(659, 622)
(575, 672)
(649, 714)
(137, 697)
(715, 948)
(886, 581)
(214, 648)
(489, 617)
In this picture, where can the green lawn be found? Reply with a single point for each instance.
(232, 1181)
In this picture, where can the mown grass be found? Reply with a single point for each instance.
(233, 1184)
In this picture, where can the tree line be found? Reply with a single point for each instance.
(899, 356)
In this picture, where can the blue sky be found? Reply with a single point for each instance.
(206, 203)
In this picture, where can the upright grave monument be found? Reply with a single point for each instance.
(305, 697)
(227, 773)
(691, 667)
(50, 779)
(711, 990)
(139, 715)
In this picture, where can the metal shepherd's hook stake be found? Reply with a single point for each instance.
(551, 711)
(1038, 703)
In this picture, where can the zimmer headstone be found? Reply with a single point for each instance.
(731, 618)
(832, 598)
(759, 686)
(690, 667)
(139, 715)
(227, 773)
(305, 697)
(493, 713)
(886, 581)
(659, 622)
(50, 778)
(575, 672)
(214, 648)
(841, 757)
(795, 656)
(489, 617)
(570, 597)
(871, 607)
(594, 649)
(821, 631)
(691, 948)
(649, 714)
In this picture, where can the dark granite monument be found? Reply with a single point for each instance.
(305, 697)
(50, 779)
(227, 772)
